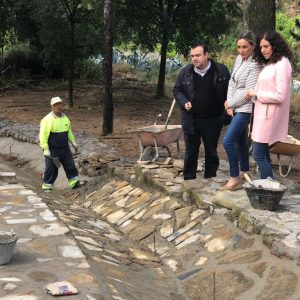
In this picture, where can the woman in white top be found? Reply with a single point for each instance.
(243, 78)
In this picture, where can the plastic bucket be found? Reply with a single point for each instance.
(8, 242)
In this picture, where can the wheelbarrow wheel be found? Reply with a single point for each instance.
(149, 153)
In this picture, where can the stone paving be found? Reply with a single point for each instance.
(189, 253)
(45, 251)
(145, 244)
(280, 229)
(147, 234)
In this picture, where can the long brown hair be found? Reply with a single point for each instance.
(280, 47)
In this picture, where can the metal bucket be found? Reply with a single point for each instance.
(8, 242)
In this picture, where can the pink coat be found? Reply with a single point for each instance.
(271, 113)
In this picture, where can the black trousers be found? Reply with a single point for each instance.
(209, 131)
(66, 158)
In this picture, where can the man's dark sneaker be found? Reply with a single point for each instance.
(79, 184)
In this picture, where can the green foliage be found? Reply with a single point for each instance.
(26, 23)
(45, 26)
(287, 27)
(296, 33)
(227, 42)
(171, 51)
(40, 29)
(20, 47)
(152, 22)
(226, 58)
(182, 22)
(286, 24)
(219, 17)
(56, 37)
(21, 57)
(4, 21)
(88, 69)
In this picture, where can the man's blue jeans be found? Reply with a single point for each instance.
(261, 155)
(236, 144)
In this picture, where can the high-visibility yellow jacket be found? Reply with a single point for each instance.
(55, 132)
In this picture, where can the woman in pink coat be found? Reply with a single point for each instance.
(271, 97)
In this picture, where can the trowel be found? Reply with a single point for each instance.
(56, 161)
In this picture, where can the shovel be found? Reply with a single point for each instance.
(169, 114)
(249, 180)
(254, 183)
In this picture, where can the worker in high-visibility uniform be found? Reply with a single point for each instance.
(55, 134)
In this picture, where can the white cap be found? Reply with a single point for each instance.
(55, 100)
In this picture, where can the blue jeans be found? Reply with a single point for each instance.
(261, 155)
(236, 144)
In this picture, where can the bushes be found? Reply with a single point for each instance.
(20, 59)
(88, 69)
(285, 25)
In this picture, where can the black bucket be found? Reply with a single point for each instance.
(262, 198)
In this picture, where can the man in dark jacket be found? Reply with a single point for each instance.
(200, 92)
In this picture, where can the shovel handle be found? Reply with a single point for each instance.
(248, 178)
(170, 112)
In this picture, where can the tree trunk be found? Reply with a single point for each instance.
(260, 16)
(71, 75)
(2, 48)
(107, 126)
(295, 35)
(162, 68)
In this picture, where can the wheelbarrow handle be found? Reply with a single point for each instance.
(170, 112)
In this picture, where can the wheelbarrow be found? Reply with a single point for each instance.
(290, 147)
(152, 137)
